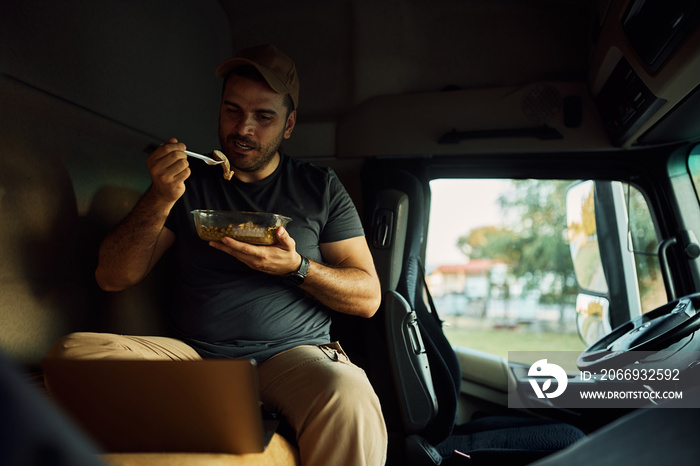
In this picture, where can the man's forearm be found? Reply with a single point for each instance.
(127, 252)
(348, 284)
(348, 290)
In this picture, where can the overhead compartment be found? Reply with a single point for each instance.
(645, 69)
(541, 117)
(641, 89)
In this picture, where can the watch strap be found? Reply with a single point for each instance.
(297, 277)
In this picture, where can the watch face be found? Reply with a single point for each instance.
(295, 278)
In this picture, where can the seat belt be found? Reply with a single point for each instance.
(426, 293)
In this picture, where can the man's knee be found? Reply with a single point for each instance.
(90, 345)
(86, 345)
(66, 345)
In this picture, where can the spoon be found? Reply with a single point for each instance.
(208, 160)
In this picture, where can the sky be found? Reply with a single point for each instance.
(458, 206)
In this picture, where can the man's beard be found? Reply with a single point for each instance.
(259, 157)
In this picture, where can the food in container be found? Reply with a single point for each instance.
(250, 227)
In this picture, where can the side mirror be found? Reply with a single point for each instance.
(583, 238)
(592, 319)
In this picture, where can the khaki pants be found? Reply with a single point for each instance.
(327, 400)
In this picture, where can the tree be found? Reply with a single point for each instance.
(533, 244)
(488, 242)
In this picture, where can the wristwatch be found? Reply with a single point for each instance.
(297, 278)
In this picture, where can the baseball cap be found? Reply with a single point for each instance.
(277, 68)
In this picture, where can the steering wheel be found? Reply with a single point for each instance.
(656, 330)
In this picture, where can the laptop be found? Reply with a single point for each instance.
(210, 405)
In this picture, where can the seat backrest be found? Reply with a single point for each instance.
(41, 280)
(426, 372)
(407, 358)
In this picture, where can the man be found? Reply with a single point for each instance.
(237, 300)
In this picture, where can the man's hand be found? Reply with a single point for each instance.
(169, 169)
(131, 250)
(279, 259)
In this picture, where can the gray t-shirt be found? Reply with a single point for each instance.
(223, 308)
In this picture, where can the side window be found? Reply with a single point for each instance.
(500, 270)
(499, 267)
(694, 168)
(644, 242)
(610, 228)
